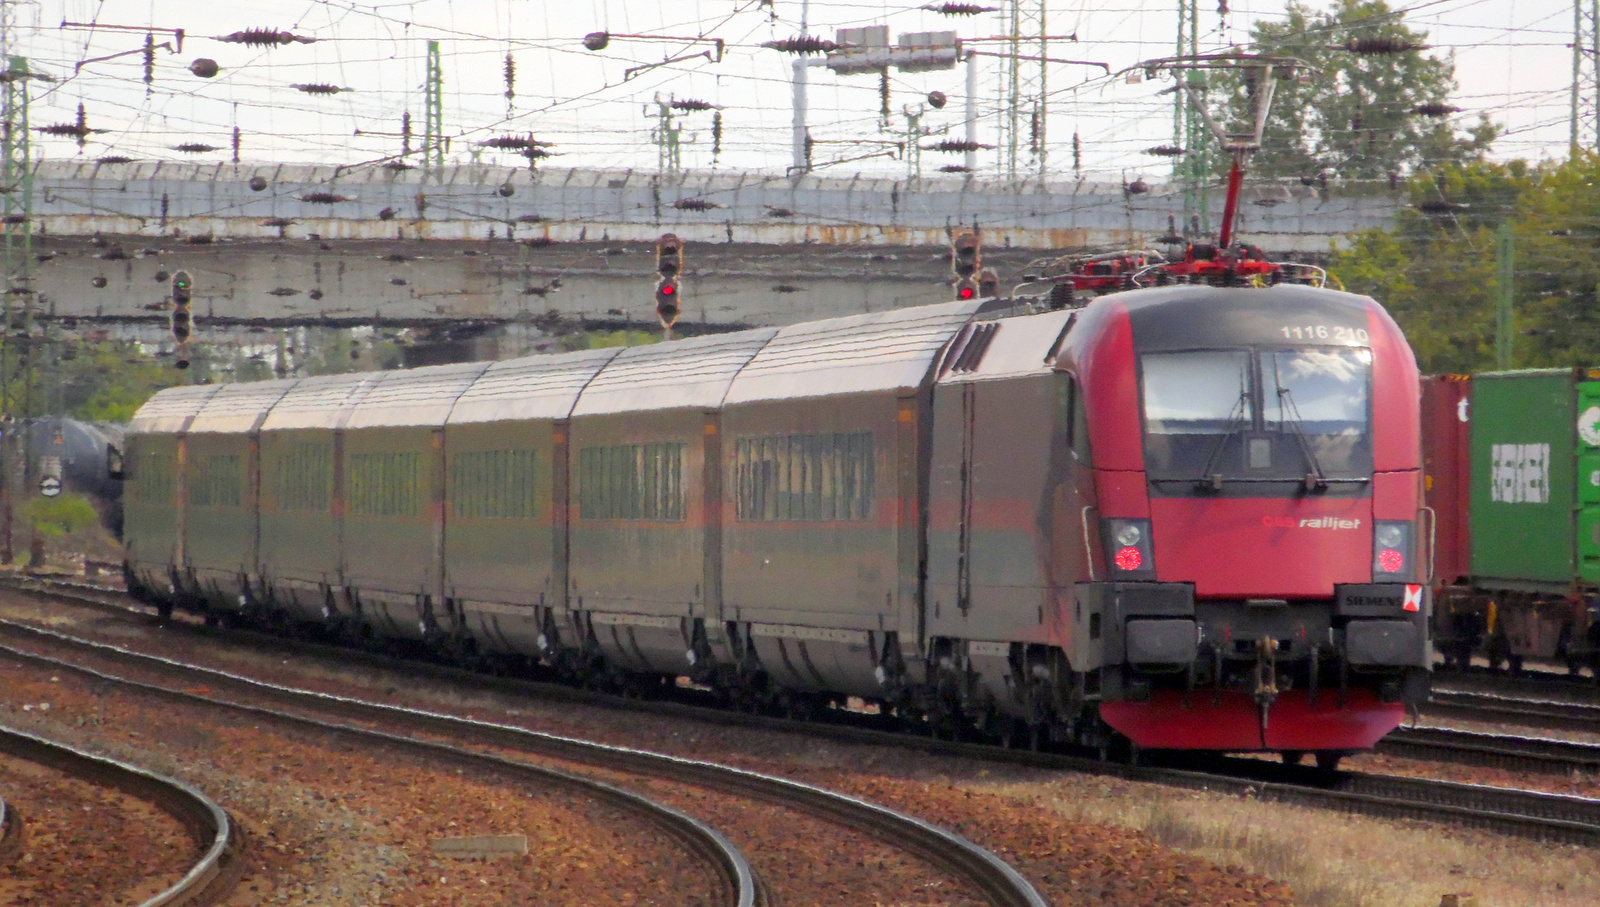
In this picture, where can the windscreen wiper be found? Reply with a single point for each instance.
(1212, 481)
(1289, 414)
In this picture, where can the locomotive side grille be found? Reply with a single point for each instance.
(973, 345)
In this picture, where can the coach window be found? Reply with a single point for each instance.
(216, 481)
(385, 484)
(632, 482)
(804, 478)
(303, 478)
(152, 478)
(493, 484)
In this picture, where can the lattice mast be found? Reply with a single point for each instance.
(433, 117)
(1192, 169)
(16, 177)
(1024, 100)
(1585, 94)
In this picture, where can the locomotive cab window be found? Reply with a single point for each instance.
(1258, 422)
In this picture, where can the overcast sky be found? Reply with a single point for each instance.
(1513, 63)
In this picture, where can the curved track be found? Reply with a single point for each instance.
(729, 866)
(213, 876)
(12, 834)
(985, 873)
(1539, 816)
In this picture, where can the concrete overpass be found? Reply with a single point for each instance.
(281, 243)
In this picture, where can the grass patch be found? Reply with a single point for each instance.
(1329, 859)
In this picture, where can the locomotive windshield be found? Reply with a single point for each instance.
(1266, 422)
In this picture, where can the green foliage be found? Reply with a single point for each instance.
(64, 514)
(597, 340)
(107, 381)
(1355, 116)
(1437, 272)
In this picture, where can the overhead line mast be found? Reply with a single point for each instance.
(1191, 167)
(1585, 92)
(1025, 99)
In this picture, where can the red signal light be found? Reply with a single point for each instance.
(667, 308)
(966, 293)
(1391, 561)
(1129, 558)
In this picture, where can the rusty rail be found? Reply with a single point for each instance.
(739, 885)
(13, 835)
(1000, 884)
(213, 876)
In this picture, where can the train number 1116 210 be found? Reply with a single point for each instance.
(1336, 333)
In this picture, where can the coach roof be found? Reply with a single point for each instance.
(415, 396)
(533, 387)
(683, 374)
(239, 407)
(884, 351)
(169, 411)
(321, 402)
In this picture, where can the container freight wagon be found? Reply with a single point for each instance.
(1531, 496)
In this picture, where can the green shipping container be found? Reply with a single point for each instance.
(1535, 496)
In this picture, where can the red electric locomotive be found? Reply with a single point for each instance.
(1256, 463)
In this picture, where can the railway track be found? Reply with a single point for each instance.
(209, 880)
(12, 834)
(987, 875)
(727, 865)
(1510, 709)
(1550, 817)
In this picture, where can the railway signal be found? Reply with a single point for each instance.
(182, 320)
(988, 283)
(669, 263)
(964, 263)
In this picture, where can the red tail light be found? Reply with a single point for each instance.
(1129, 559)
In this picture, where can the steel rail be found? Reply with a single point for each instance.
(13, 834)
(214, 875)
(1542, 713)
(997, 880)
(999, 883)
(1540, 754)
(741, 888)
(1465, 806)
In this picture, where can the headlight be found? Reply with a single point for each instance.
(1128, 552)
(1392, 552)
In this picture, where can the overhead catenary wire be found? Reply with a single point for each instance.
(389, 38)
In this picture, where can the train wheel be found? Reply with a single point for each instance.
(1009, 733)
(1328, 760)
(1499, 649)
(1037, 737)
(1293, 757)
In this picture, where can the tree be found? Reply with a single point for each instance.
(1436, 270)
(1356, 116)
